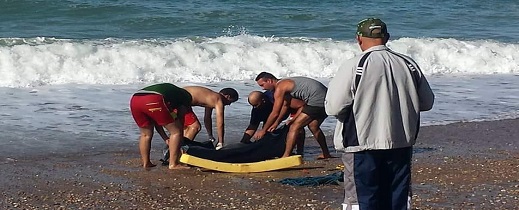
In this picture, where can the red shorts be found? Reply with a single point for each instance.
(149, 108)
(189, 118)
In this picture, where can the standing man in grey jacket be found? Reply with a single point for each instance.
(377, 97)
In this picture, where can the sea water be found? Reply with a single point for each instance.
(69, 68)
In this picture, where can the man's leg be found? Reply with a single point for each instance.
(145, 145)
(367, 174)
(292, 136)
(399, 165)
(140, 109)
(316, 116)
(293, 132)
(350, 190)
(190, 131)
(175, 138)
(191, 124)
(300, 142)
(315, 128)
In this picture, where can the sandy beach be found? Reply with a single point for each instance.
(471, 165)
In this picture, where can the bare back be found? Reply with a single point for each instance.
(203, 96)
(209, 99)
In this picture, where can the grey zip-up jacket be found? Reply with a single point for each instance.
(383, 110)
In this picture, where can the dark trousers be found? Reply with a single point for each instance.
(383, 178)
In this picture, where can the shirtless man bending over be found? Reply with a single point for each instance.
(205, 97)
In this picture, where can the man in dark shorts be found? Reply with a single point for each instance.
(312, 92)
(262, 103)
(151, 108)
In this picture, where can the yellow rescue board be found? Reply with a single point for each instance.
(262, 166)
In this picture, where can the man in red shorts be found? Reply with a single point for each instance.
(151, 108)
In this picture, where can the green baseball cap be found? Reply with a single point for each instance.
(372, 28)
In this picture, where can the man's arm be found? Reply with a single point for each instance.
(282, 87)
(339, 94)
(208, 122)
(284, 110)
(220, 124)
(273, 116)
(162, 133)
(425, 95)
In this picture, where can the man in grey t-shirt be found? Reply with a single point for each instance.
(310, 91)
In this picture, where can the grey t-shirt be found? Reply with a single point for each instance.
(311, 91)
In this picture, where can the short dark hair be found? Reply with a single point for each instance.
(265, 75)
(230, 92)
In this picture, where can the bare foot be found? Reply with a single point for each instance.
(322, 157)
(178, 166)
(148, 165)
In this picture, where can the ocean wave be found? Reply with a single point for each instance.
(51, 61)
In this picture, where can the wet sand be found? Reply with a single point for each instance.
(456, 166)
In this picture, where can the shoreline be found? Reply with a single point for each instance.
(455, 166)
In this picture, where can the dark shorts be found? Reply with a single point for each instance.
(315, 112)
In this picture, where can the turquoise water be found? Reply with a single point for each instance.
(133, 19)
(68, 68)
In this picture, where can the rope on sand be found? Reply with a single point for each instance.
(332, 179)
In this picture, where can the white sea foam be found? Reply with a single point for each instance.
(73, 96)
(44, 61)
